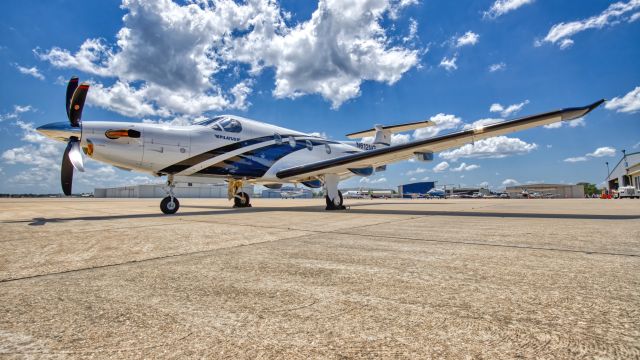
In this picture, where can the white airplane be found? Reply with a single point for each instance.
(353, 194)
(240, 150)
(436, 193)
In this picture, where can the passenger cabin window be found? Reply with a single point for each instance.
(277, 138)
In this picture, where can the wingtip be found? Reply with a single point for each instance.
(596, 104)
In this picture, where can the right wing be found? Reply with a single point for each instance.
(383, 156)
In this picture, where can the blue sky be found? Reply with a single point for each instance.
(332, 67)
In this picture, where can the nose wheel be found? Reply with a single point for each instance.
(170, 204)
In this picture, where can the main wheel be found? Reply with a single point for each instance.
(241, 200)
(169, 205)
(335, 203)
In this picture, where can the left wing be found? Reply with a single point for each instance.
(383, 156)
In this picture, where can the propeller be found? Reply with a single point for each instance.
(72, 158)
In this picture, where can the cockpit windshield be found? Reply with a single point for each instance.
(222, 122)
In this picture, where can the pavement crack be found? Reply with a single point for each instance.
(164, 257)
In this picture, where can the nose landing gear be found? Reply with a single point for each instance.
(170, 204)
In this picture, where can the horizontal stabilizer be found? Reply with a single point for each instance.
(391, 128)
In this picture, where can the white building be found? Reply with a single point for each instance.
(625, 173)
(562, 191)
(182, 190)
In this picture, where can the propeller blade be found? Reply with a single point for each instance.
(71, 87)
(77, 103)
(75, 155)
(66, 171)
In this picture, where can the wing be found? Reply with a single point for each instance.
(378, 157)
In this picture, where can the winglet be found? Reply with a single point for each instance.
(576, 112)
(596, 104)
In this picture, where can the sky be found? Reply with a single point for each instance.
(331, 67)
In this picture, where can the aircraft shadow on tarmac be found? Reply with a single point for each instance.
(353, 209)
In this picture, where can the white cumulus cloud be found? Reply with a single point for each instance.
(571, 123)
(449, 64)
(465, 167)
(16, 112)
(576, 159)
(501, 7)
(629, 103)
(416, 171)
(605, 151)
(602, 152)
(469, 38)
(509, 110)
(32, 71)
(441, 167)
(614, 14)
(441, 122)
(510, 182)
(497, 67)
(173, 55)
(479, 124)
(495, 147)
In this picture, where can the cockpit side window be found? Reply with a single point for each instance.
(210, 121)
(230, 125)
(222, 123)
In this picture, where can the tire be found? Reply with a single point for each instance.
(241, 200)
(333, 205)
(168, 207)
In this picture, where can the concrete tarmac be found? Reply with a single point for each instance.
(114, 278)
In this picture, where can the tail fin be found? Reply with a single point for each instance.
(383, 133)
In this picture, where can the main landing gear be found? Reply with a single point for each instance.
(334, 196)
(170, 204)
(240, 199)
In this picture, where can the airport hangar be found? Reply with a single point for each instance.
(625, 173)
(286, 192)
(562, 191)
(407, 191)
(182, 189)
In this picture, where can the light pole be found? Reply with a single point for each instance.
(607, 178)
(626, 166)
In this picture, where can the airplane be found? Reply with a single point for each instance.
(436, 193)
(291, 193)
(244, 151)
(353, 194)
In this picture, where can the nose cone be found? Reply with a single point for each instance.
(60, 131)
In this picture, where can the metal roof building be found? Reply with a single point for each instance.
(625, 173)
(182, 190)
(413, 189)
(563, 191)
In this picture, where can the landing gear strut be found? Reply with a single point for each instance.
(240, 199)
(334, 196)
(170, 204)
